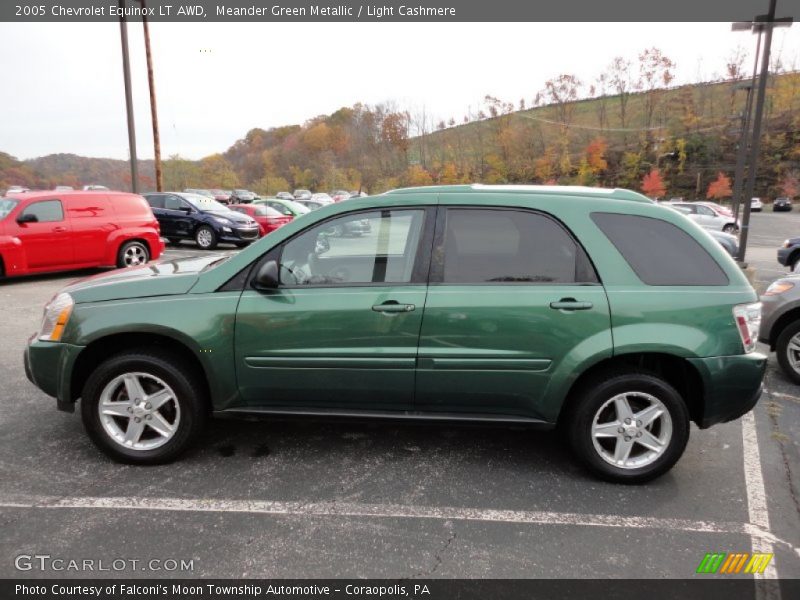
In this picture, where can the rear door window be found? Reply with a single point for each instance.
(659, 252)
(508, 246)
(155, 201)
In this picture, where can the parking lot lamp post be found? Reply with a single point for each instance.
(126, 75)
(153, 106)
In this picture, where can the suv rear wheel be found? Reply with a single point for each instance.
(628, 427)
(143, 407)
(132, 254)
(787, 349)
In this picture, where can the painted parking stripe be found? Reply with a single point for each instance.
(757, 506)
(349, 509)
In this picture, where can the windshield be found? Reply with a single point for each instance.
(205, 203)
(6, 206)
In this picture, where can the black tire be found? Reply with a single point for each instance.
(594, 394)
(133, 254)
(242, 244)
(730, 228)
(206, 237)
(782, 350)
(189, 394)
(174, 241)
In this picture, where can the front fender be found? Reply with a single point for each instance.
(13, 255)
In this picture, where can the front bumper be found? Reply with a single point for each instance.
(784, 254)
(240, 234)
(49, 366)
(732, 386)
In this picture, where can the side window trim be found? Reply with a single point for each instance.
(583, 262)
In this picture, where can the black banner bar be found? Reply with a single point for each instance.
(730, 588)
(67, 11)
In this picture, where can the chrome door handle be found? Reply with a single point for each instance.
(391, 306)
(570, 304)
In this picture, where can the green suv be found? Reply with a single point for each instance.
(593, 310)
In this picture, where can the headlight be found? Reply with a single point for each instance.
(222, 221)
(778, 287)
(748, 321)
(786, 243)
(56, 315)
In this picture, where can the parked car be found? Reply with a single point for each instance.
(17, 189)
(595, 310)
(284, 196)
(707, 217)
(242, 197)
(321, 198)
(268, 219)
(339, 195)
(288, 208)
(223, 196)
(310, 204)
(193, 217)
(717, 208)
(756, 205)
(782, 204)
(789, 253)
(49, 231)
(95, 188)
(63, 188)
(357, 194)
(302, 194)
(780, 323)
(206, 193)
(728, 241)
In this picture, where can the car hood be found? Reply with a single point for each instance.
(164, 278)
(236, 217)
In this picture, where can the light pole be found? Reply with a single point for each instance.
(765, 23)
(126, 75)
(153, 107)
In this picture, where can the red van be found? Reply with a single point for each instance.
(58, 231)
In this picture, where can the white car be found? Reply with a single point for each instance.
(321, 198)
(17, 189)
(756, 205)
(705, 216)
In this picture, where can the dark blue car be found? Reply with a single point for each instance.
(184, 216)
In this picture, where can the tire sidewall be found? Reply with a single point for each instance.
(187, 397)
(594, 397)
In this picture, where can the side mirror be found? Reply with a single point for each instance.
(266, 277)
(185, 209)
(27, 218)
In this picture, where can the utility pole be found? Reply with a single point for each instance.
(766, 23)
(153, 106)
(126, 75)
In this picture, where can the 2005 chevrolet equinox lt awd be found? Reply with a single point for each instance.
(597, 311)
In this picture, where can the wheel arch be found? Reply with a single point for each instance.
(675, 370)
(104, 347)
(782, 323)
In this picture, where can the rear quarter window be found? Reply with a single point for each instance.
(659, 252)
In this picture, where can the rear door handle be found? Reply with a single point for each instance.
(570, 304)
(392, 306)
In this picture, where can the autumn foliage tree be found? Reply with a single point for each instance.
(653, 184)
(719, 188)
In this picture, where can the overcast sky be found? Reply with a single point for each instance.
(63, 90)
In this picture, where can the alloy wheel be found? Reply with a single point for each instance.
(631, 430)
(139, 411)
(134, 255)
(793, 352)
(204, 238)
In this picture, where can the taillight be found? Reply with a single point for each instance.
(748, 321)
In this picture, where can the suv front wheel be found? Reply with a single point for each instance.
(143, 407)
(629, 427)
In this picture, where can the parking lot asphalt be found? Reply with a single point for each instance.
(310, 499)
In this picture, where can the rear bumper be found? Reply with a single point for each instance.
(48, 366)
(732, 384)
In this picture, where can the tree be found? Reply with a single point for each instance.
(619, 76)
(719, 188)
(790, 185)
(653, 184)
(655, 73)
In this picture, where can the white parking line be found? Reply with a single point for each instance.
(349, 509)
(757, 503)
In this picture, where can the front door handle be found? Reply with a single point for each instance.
(392, 306)
(59, 229)
(570, 304)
